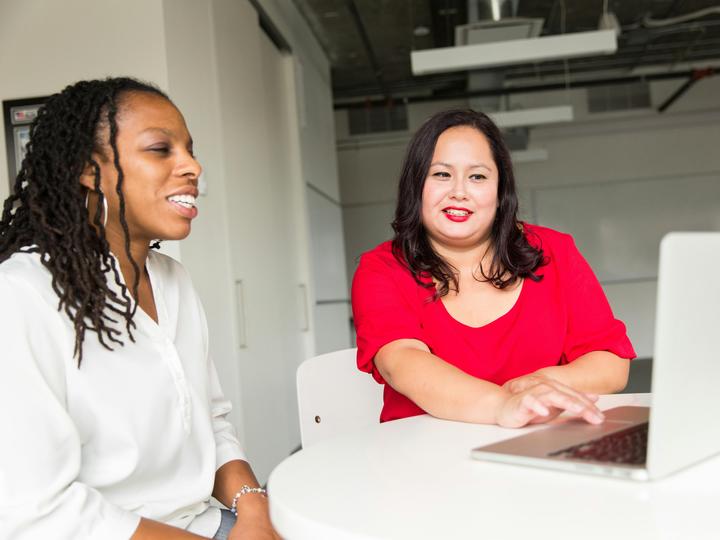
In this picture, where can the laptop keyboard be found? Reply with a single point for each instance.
(628, 446)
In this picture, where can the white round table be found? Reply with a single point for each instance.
(414, 479)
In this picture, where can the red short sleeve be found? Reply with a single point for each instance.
(385, 304)
(591, 323)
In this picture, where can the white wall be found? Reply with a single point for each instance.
(332, 315)
(252, 80)
(616, 181)
(273, 126)
(328, 289)
(318, 167)
(332, 330)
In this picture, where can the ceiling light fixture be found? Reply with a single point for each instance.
(517, 51)
(532, 117)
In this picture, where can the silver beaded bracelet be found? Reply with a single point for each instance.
(244, 490)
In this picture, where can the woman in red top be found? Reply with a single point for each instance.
(469, 314)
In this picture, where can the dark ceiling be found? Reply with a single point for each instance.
(369, 42)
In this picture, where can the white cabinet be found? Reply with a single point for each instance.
(265, 211)
(332, 307)
(263, 128)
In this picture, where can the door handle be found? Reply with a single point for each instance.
(240, 305)
(304, 311)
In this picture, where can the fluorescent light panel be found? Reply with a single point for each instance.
(516, 51)
(532, 117)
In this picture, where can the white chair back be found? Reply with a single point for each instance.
(335, 397)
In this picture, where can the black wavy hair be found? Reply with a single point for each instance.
(46, 212)
(513, 256)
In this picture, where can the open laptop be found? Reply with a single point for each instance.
(681, 427)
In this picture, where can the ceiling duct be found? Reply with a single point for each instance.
(504, 41)
(492, 21)
(491, 9)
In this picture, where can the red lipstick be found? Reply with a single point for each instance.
(457, 214)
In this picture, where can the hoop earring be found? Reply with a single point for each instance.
(105, 205)
(105, 210)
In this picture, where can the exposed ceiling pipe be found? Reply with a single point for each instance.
(360, 26)
(695, 76)
(486, 11)
(523, 89)
(649, 22)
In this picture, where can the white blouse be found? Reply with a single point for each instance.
(138, 431)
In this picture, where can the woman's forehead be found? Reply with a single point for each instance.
(138, 105)
(462, 142)
(143, 111)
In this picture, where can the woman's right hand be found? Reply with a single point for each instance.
(543, 402)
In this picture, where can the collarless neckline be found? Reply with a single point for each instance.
(497, 320)
(156, 288)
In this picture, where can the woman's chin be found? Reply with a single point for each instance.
(459, 241)
(178, 234)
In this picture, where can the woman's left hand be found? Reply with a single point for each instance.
(253, 522)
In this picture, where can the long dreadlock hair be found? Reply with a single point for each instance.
(46, 213)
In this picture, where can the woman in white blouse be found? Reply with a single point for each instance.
(113, 419)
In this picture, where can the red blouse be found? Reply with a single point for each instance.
(554, 321)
